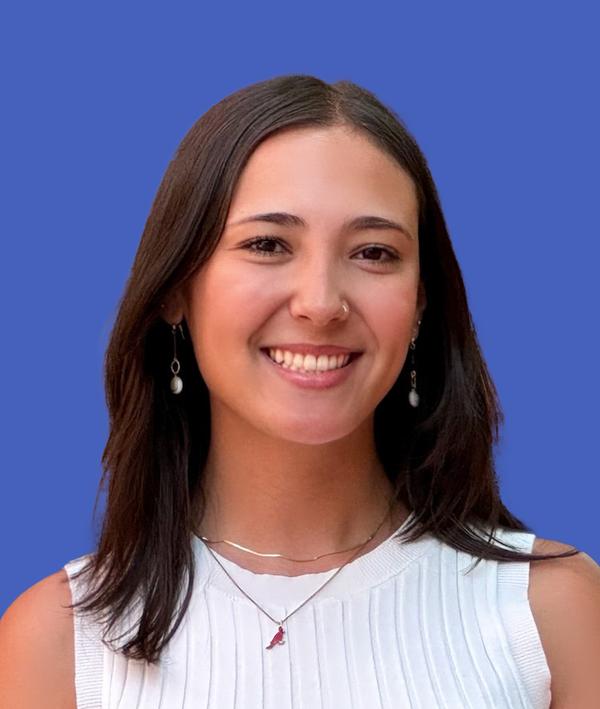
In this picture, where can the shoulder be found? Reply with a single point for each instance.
(565, 601)
(36, 647)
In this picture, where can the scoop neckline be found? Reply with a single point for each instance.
(386, 559)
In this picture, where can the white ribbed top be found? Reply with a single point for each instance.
(404, 625)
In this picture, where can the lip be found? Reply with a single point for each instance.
(320, 380)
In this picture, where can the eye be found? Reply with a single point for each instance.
(271, 240)
(390, 256)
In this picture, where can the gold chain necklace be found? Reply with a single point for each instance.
(277, 639)
(288, 558)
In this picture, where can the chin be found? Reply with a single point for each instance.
(312, 433)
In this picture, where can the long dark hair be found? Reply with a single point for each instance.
(438, 455)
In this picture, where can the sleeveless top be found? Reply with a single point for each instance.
(408, 624)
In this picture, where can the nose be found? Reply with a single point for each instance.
(318, 295)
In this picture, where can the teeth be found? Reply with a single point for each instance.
(307, 363)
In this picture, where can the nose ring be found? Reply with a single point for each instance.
(345, 308)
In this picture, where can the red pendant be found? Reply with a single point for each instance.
(277, 638)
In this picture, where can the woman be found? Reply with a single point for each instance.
(302, 502)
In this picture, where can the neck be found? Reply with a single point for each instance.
(299, 500)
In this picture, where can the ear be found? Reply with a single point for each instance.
(421, 305)
(172, 309)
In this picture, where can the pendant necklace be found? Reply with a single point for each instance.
(278, 638)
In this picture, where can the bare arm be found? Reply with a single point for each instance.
(36, 648)
(565, 601)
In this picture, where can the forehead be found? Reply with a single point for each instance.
(323, 174)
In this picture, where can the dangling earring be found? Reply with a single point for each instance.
(176, 381)
(413, 397)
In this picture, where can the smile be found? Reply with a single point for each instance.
(308, 363)
(330, 376)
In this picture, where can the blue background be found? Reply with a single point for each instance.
(96, 97)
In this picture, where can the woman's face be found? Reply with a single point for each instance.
(290, 287)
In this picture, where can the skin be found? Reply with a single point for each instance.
(292, 470)
(299, 466)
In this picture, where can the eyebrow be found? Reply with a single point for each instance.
(360, 223)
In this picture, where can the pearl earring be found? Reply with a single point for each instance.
(176, 381)
(413, 397)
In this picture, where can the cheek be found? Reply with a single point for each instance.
(224, 289)
(226, 307)
(391, 309)
(390, 315)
